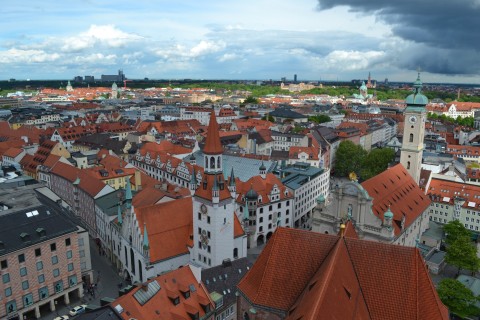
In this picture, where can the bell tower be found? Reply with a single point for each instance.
(414, 131)
(213, 206)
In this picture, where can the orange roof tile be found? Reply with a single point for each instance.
(446, 191)
(212, 144)
(395, 189)
(12, 152)
(161, 305)
(169, 227)
(345, 278)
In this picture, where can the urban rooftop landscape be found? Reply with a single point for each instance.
(232, 161)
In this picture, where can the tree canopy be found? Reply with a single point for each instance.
(353, 158)
(349, 158)
(319, 118)
(455, 230)
(458, 298)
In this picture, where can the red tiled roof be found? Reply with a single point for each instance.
(88, 184)
(395, 189)
(165, 146)
(445, 191)
(161, 305)
(12, 152)
(311, 152)
(204, 190)
(263, 187)
(212, 144)
(345, 278)
(169, 227)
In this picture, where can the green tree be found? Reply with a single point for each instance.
(458, 298)
(268, 118)
(463, 254)
(376, 162)
(349, 158)
(251, 100)
(455, 230)
(319, 118)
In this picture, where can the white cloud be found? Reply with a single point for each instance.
(351, 60)
(96, 58)
(228, 56)
(15, 56)
(106, 35)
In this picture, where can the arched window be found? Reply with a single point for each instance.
(212, 163)
(218, 162)
(235, 253)
(132, 261)
(411, 137)
(408, 164)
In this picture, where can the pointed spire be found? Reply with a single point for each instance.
(246, 214)
(119, 213)
(212, 143)
(128, 194)
(232, 178)
(146, 243)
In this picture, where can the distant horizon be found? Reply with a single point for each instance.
(98, 81)
(323, 40)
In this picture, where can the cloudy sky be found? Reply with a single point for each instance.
(248, 39)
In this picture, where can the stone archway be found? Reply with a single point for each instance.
(260, 240)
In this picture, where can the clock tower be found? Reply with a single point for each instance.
(414, 131)
(213, 207)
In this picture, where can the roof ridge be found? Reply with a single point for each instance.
(356, 274)
(329, 270)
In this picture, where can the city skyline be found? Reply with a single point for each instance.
(317, 40)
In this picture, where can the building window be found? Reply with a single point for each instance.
(58, 286)
(23, 271)
(27, 300)
(8, 292)
(54, 260)
(6, 278)
(4, 264)
(411, 137)
(21, 258)
(70, 266)
(11, 306)
(38, 252)
(25, 285)
(208, 219)
(53, 247)
(43, 293)
(80, 242)
(69, 254)
(41, 278)
(72, 280)
(56, 272)
(67, 242)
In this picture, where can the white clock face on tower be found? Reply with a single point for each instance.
(412, 119)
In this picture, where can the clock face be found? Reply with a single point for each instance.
(412, 119)
(203, 208)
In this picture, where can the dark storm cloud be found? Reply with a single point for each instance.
(447, 32)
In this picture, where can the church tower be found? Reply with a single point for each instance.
(213, 206)
(414, 131)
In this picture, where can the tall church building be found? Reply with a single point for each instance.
(414, 131)
(389, 207)
(217, 232)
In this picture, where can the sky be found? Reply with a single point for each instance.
(319, 40)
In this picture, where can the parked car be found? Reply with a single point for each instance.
(78, 310)
(65, 317)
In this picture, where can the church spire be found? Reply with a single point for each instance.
(146, 243)
(128, 194)
(212, 143)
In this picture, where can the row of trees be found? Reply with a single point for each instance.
(467, 121)
(462, 253)
(353, 158)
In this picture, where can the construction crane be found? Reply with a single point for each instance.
(125, 84)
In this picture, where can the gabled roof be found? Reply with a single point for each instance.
(155, 299)
(395, 189)
(263, 187)
(345, 278)
(169, 226)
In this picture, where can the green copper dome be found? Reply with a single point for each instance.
(251, 194)
(417, 98)
(363, 87)
(321, 199)
(388, 213)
